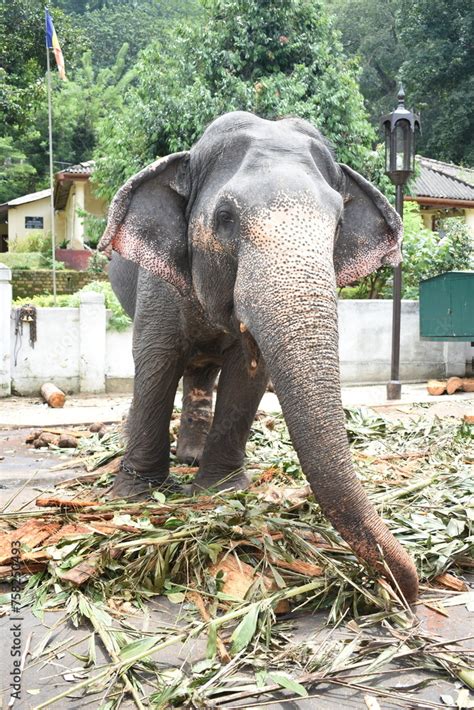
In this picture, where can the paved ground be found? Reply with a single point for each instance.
(84, 409)
(25, 472)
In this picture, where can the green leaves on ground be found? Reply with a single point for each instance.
(417, 472)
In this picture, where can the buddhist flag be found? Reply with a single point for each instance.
(52, 43)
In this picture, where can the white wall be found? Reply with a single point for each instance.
(74, 350)
(69, 350)
(55, 355)
(118, 360)
(365, 345)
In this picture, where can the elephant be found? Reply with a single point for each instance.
(228, 257)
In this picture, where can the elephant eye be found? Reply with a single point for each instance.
(224, 216)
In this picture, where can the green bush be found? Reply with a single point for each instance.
(97, 263)
(20, 260)
(31, 243)
(118, 320)
(45, 300)
(93, 227)
(428, 253)
(46, 251)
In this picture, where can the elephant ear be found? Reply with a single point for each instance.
(147, 223)
(370, 233)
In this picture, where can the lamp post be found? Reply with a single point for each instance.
(399, 127)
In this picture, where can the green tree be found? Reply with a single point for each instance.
(16, 174)
(107, 25)
(23, 58)
(271, 57)
(428, 44)
(80, 103)
(23, 98)
(369, 31)
(439, 72)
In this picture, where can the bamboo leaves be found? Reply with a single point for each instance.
(245, 631)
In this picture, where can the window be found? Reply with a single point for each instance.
(33, 222)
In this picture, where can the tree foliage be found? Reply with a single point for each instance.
(98, 66)
(23, 58)
(369, 31)
(273, 58)
(438, 66)
(107, 25)
(427, 44)
(15, 171)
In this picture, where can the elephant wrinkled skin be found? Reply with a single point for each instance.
(228, 257)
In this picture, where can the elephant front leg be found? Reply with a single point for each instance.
(238, 395)
(196, 415)
(159, 365)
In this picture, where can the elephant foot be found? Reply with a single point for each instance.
(137, 486)
(188, 457)
(237, 481)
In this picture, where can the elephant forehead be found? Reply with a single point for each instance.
(297, 221)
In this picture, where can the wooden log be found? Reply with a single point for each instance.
(31, 438)
(45, 439)
(453, 385)
(32, 533)
(23, 568)
(53, 395)
(66, 503)
(468, 384)
(77, 433)
(67, 442)
(436, 387)
(451, 582)
(97, 426)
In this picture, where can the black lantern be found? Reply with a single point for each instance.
(400, 126)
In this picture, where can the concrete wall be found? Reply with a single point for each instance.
(75, 350)
(365, 345)
(69, 350)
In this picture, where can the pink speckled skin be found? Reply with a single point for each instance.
(241, 244)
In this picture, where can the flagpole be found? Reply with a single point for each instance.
(51, 176)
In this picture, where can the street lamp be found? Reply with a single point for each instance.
(399, 126)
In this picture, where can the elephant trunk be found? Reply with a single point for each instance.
(294, 322)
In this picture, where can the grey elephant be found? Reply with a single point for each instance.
(228, 257)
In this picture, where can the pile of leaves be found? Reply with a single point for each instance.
(239, 566)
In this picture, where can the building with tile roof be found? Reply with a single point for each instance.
(443, 190)
(73, 197)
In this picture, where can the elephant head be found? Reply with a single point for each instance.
(260, 224)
